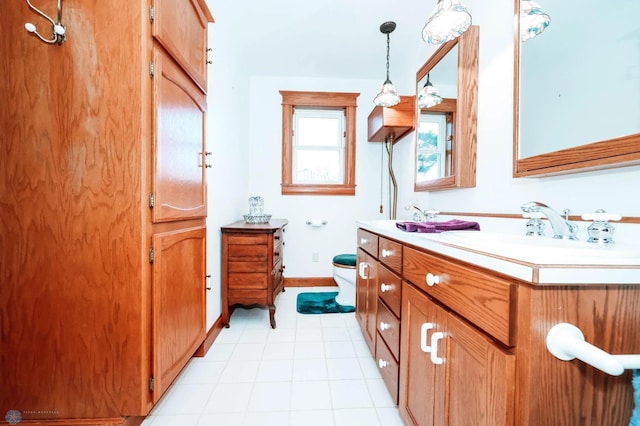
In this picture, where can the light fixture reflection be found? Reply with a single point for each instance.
(429, 96)
(449, 20)
(388, 95)
(533, 20)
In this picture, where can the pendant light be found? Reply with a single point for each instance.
(533, 20)
(388, 95)
(449, 20)
(429, 96)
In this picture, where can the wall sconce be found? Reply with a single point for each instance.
(388, 95)
(533, 20)
(449, 20)
(57, 29)
(429, 96)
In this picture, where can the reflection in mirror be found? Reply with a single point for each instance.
(577, 94)
(445, 144)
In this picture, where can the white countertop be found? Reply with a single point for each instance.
(537, 268)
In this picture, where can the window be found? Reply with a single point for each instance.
(432, 147)
(318, 143)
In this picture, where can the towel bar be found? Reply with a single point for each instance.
(566, 342)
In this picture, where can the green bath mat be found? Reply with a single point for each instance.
(321, 303)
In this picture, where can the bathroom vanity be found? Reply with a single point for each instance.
(472, 330)
(252, 265)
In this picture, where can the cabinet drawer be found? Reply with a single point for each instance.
(390, 289)
(277, 236)
(277, 253)
(248, 252)
(248, 281)
(485, 300)
(391, 254)
(247, 239)
(368, 242)
(388, 367)
(389, 329)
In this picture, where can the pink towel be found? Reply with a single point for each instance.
(434, 227)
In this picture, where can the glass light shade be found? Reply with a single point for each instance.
(448, 20)
(428, 97)
(533, 20)
(388, 95)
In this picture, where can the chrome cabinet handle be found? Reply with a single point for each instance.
(361, 269)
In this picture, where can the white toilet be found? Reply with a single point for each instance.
(344, 274)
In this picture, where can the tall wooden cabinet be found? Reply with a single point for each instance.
(102, 249)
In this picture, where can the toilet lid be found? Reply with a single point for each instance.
(345, 259)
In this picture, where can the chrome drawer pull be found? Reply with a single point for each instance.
(432, 279)
(384, 326)
(385, 287)
(387, 253)
(382, 363)
(423, 336)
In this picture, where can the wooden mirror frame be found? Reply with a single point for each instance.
(463, 173)
(606, 154)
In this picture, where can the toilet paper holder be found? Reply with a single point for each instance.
(316, 223)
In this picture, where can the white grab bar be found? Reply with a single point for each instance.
(566, 342)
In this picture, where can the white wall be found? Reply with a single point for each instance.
(244, 124)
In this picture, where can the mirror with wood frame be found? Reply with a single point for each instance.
(445, 136)
(577, 89)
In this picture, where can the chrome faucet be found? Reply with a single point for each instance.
(562, 227)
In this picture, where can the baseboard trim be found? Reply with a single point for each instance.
(212, 334)
(310, 282)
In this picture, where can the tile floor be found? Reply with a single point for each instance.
(311, 370)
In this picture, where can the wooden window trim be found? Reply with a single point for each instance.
(348, 101)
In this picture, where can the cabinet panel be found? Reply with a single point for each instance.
(368, 242)
(417, 372)
(179, 124)
(388, 366)
(367, 297)
(389, 329)
(181, 28)
(390, 289)
(486, 300)
(178, 289)
(471, 357)
(391, 254)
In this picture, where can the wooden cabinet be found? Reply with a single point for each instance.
(474, 386)
(102, 271)
(473, 343)
(252, 265)
(366, 296)
(378, 296)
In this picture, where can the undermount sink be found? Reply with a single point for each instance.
(546, 249)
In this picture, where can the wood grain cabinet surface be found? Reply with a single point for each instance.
(473, 350)
(252, 265)
(102, 295)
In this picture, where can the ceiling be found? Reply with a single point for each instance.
(324, 38)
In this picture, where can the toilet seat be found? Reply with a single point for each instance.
(345, 260)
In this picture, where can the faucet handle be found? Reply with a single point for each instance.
(601, 231)
(601, 216)
(535, 226)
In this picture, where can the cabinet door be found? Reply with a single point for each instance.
(476, 381)
(180, 26)
(178, 302)
(366, 297)
(178, 158)
(420, 319)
